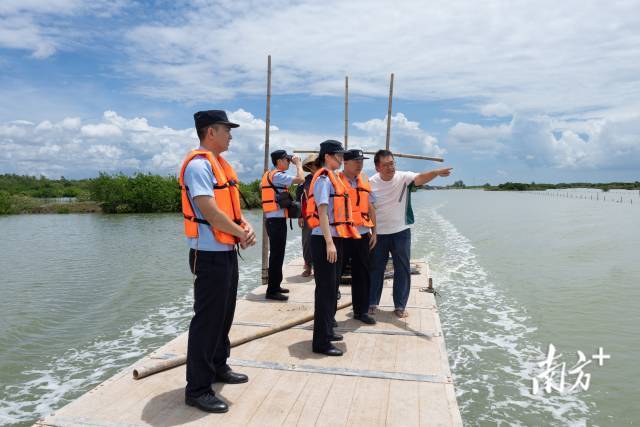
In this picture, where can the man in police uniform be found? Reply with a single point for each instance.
(214, 264)
(275, 218)
(356, 251)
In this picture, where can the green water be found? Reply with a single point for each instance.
(82, 296)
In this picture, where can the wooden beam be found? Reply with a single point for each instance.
(405, 156)
(265, 237)
(346, 112)
(388, 141)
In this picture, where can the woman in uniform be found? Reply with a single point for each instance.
(330, 217)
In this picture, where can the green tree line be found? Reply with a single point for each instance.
(518, 186)
(116, 193)
(140, 193)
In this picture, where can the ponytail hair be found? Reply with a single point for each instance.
(319, 161)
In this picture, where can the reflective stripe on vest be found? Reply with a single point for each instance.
(359, 199)
(225, 192)
(342, 214)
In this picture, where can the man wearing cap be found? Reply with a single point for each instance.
(214, 225)
(274, 182)
(394, 217)
(356, 251)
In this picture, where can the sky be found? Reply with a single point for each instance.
(542, 91)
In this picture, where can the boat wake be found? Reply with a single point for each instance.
(489, 337)
(63, 378)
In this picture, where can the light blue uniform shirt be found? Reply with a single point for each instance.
(280, 179)
(322, 190)
(198, 177)
(372, 198)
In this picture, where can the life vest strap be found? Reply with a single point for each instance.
(196, 219)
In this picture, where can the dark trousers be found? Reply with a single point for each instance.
(214, 294)
(399, 245)
(306, 248)
(277, 232)
(356, 252)
(326, 277)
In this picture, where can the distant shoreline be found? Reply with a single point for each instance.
(146, 193)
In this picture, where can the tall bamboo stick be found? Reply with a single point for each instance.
(265, 238)
(346, 112)
(406, 156)
(389, 113)
(154, 366)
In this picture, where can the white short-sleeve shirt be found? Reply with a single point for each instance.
(391, 201)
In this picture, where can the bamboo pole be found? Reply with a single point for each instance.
(406, 156)
(155, 365)
(346, 112)
(265, 237)
(389, 114)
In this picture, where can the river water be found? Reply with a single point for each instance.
(83, 296)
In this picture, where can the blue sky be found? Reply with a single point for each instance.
(504, 91)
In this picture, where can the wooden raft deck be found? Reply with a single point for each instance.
(393, 373)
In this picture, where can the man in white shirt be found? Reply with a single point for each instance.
(393, 219)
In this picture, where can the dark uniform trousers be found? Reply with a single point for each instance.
(326, 277)
(356, 251)
(277, 232)
(214, 294)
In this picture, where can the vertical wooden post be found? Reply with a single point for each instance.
(346, 112)
(389, 113)
(265, 238)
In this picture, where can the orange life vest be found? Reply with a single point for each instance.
(269, 190)
(225, 192)
(359, 199)
(342, 214)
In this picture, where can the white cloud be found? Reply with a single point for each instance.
(544, 142)
(72, 149)
(404, 133)
(118, 143)
(101, 130)
(542, 57)
(129, 145)
(498, 110)
(43, 27)
(18, 32)
(479, 140)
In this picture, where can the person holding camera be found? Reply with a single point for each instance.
(278, 205)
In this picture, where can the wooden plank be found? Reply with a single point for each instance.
(310, 401)
(274, 410)
(403, 408)
(290, 397)
(335, 410)
(369, 404)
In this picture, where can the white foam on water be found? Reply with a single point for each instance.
(63, 378)
(489, 337)
(69, 375)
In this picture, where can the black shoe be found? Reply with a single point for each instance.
(277, 296)
(283, 290)
(334, 324)
(331, 351)
(335, 337)
(231, 377)
(338, 294)
(207, 402)
(365, 318)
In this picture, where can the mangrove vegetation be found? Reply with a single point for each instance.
(145, 193)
